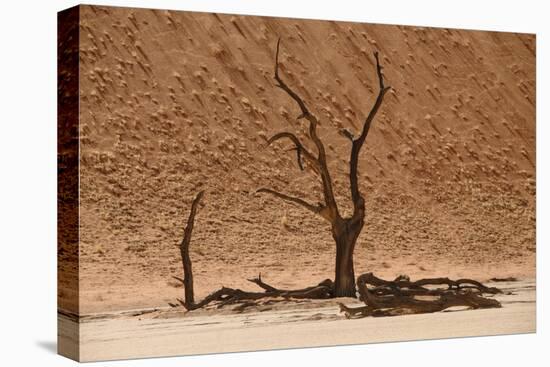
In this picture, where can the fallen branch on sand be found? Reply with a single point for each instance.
(384, 298)
(401, 296)
(227, 296)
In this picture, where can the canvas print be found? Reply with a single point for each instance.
(237, 183)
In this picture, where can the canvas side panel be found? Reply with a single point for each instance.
(68, 182)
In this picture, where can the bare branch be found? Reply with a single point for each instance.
(184, 249)
(179, 279)
(300, 149)
(313, 122)
(360, 140)
(313, 208)
(281, 84)
(227, 296)
(298, 157)
(260, 283)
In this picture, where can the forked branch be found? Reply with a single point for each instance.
(313, 122)
(360, 140)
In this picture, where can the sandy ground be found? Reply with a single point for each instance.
(311, 323)
(176, 102)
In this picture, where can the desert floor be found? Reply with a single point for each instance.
(166, 332)
(172, 103)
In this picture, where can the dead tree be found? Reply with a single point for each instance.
(226, 296)
(345, 230)
(383, 298)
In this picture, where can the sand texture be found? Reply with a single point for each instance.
(308, 324)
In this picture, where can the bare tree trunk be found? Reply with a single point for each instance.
(184, 249)
(344, 283)
(345, 233)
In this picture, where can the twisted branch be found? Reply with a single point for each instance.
(227, 296)
(391, 298)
